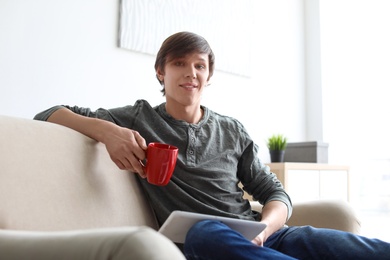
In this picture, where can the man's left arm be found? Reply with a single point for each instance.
(275, 215)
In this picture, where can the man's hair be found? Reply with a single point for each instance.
(179, 45)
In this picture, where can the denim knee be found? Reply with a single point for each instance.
(204, 228)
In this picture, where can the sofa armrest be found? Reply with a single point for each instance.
(326, 214)
(332, 214)
(107, 243)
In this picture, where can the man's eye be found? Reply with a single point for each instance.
(201, 67)
(179, 63)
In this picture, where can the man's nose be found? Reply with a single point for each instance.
(191, 73)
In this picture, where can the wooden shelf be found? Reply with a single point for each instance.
(308, 181)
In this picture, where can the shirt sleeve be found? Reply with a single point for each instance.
(123, 116)
(44, 115)
(100, 113)
(259, 181)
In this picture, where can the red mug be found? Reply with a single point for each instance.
(160, 163)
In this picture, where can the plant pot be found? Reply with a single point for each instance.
(277, 156)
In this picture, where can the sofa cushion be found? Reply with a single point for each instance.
(109, 243)
(53, 178)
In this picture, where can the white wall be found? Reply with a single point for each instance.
(65, 52)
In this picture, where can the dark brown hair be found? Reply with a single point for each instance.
(179, 45)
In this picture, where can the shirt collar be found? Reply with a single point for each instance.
(163, 112)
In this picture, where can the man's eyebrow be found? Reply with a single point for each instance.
(202, 59)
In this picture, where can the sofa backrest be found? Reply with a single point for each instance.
(53, 178)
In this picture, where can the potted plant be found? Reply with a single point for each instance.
(277, 145)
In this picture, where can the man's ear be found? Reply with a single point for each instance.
(160, 74)
(208, 82)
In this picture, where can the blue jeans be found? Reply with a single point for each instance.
(211, 239)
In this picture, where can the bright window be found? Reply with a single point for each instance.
(355, 61)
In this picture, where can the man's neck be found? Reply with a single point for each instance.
(189, 114)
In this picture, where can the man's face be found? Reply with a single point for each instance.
(185, 78)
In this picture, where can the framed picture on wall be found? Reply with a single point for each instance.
(226, 25)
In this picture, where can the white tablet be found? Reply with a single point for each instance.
(179, 222)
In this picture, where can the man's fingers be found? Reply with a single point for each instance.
(124, 164)
(136, 164)
(140, 140)
(131, 164)
(120, 164)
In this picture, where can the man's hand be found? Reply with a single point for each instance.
(126, 148)
(260, 238)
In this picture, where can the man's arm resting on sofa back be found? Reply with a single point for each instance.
(125, 146)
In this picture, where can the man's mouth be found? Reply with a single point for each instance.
(189, 85)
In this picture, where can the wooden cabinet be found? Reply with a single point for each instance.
(310, 181)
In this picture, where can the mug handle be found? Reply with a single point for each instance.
(144, 161)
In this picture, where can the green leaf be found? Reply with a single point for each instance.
(277, 142)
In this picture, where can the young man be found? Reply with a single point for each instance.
(215, 154)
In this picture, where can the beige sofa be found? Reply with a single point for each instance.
(62, 196)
